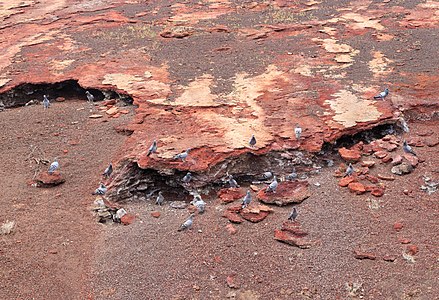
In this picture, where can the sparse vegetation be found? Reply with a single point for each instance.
(7, 228)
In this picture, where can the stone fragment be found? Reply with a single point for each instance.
(178, 32)
(432, 141)
(404, 241)
(350, 155)
(346, 180)
(231, 229)
(178, 204)
(291, 239)
(413, 160)
(124, 111)
(385, 177)
(109, 102)
(45, 179)
(357, 188)
(228, 195)
(254, 188)
(412, 249)
(396, 160)
(60, 99)
(380, 154)
(386, 159)
(390, 258)
(155, 214)
(127, 219)
(95, 116)
(294, 228)
(287, 192)
(112, 111)
(367, 163)
(232, 281)
(235, 207)
(378, 192)
(402, 169)
(372, 178)
(253, 216)
(398, 226)
(358, 254)
(232, 217)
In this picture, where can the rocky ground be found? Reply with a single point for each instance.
(207, 75)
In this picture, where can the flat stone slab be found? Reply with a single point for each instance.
(286, 193)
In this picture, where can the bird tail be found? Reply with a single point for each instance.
(149, 153)
(377, 97)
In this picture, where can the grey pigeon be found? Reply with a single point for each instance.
(199, 204)
(183, 155)
(53, 166)
(382, 95)
(252, 141)
(46, 102)
(403, 124)
(247, 199)
(101, 190)
(187, 178)
(349, 170)
(407, 149)
(160, 199)
(293, 215)
(292, 175)
(232, 182)
(273, 185)
(267, 175)
(297, 131)
(90, 97)
(152, 148)
(187, 224)
(108, 171)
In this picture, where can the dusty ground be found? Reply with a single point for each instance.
(250, 66)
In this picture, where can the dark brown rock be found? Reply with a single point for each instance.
(372, 178)
(287, 192)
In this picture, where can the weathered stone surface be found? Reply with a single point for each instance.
(378, 191)
(253, 216)
(294, 228)
(385, 177)
(357, 188)
(112, 111)
(178, 204)
(289, 238)
(127, 219)
(350, 155)
(396, 160)
(402, 169)
(389, 258)
(412, 249)
(413, 160)
(231, 229)
(45, 179)
(228, 195)
(358, 254)
(346, 180)
(232, 216)
(398, 226)
(287, 192)
(367, 163)
(372, 178)
(155, 214)
(380, 154)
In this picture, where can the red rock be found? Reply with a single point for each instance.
(350, 155)
(432, 141)
(116, 115)
(406, 192)
(377, 192)
(385, 177)
(412, 249)
(358, 254)
(362, 177)
(176, 32)
(232, 217)
(60, 99)
(232, 282)
(380, 154)
(389, 258)
(65, 151)
(124, 111)
(372, 178)
(155, 214)
(396, 160)
(398, 226)
(127, 219)
(346, 180)
(73, 142)
(289, 238)
(45, 179)
(404, 241)
(252, 216)
(386, 159)
(416, 142)
(367, 149)
(294, 228)
(388, 146)
(112, 111)
(53, 251)
(234, 208)
(287, 192)
(413, 160)
(228, 195)
(357, 188)
(367, 163)
(369, 188)
(109, 102)
(231, 229)
(110, 204)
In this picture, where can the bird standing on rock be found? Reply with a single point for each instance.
(160, 199)
(90, 97)
(187, 224)
(101, 190)
(407, 149)
(232, 182)
(187, 178)
(382, 95)
(152, 148)
(292, 175)
(247, 199)
(53, 166)
(349, 170)
(46, 102)
(273, 185)
(293, 215)
(108, 171)
(252, 141)
(297, 131)
(183, 155)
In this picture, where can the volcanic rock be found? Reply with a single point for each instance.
(127, 219)
(350, 155)
(45, 179)
(357, 188)
(228, 195)
(287, 192)
(232, 217)
(346, 180)
(289, 238)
